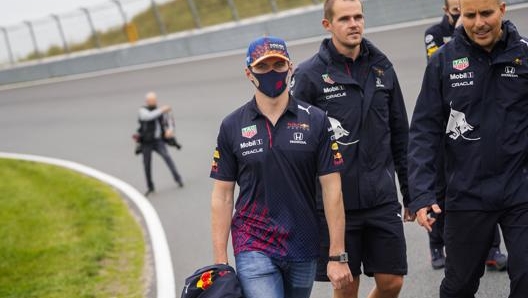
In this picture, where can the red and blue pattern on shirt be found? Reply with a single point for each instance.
(276, 168)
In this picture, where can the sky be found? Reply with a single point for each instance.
(75, 25)
(14, 12)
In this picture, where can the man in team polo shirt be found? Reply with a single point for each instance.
(276, 148)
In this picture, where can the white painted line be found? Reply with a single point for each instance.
(162, 259)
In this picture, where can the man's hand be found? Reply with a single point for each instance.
(424, 220)
(339, 274)
(166, 109)
(408, 216)
(169, 134)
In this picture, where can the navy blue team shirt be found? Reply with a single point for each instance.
(276, 168)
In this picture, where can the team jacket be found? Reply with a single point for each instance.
(365, 106)
(438, 35)
(435, 37)
(475, 104)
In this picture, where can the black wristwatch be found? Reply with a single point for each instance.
(341, 258)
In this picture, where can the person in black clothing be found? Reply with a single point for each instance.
(439, 34)
(472, 108)
(435, 37)
(356, 85)
(155, 128)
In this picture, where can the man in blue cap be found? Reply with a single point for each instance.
(276, 149)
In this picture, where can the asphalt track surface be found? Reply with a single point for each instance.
(90, 120)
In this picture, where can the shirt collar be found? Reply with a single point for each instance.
(255, 112)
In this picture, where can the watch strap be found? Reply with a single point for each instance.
(342, 258)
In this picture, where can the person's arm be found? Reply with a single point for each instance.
(433, 41)
(222, 202)
(147, 115)
(399, 128)
(168, 122)
(426, 134)
(338, 273)
(224, 171)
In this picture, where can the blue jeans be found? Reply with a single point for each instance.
(261, 276)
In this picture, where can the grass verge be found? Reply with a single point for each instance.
(63, 234)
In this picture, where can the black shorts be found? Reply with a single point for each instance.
(373, 237)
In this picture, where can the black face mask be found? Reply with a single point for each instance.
(272, 83)
(152, 108)
(455, 18)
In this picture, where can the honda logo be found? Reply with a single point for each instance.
(509, 70)
(298, 136)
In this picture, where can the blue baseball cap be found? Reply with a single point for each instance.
(265, 47)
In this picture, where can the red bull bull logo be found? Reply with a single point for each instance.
(206, 280)
(214, 166)
(338, 158)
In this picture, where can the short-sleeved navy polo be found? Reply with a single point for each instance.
(276, 168)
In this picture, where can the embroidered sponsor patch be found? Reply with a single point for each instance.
(428, 38)
(249, 131)
(298, 126)
(298, 138)
(461, 64)
(327, 79)
(509, 71)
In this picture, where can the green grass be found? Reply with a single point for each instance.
(63, 234)
(176, 16)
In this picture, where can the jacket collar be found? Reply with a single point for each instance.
(508, 45)
(340, 58)
(446, 25)
(334, 61)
